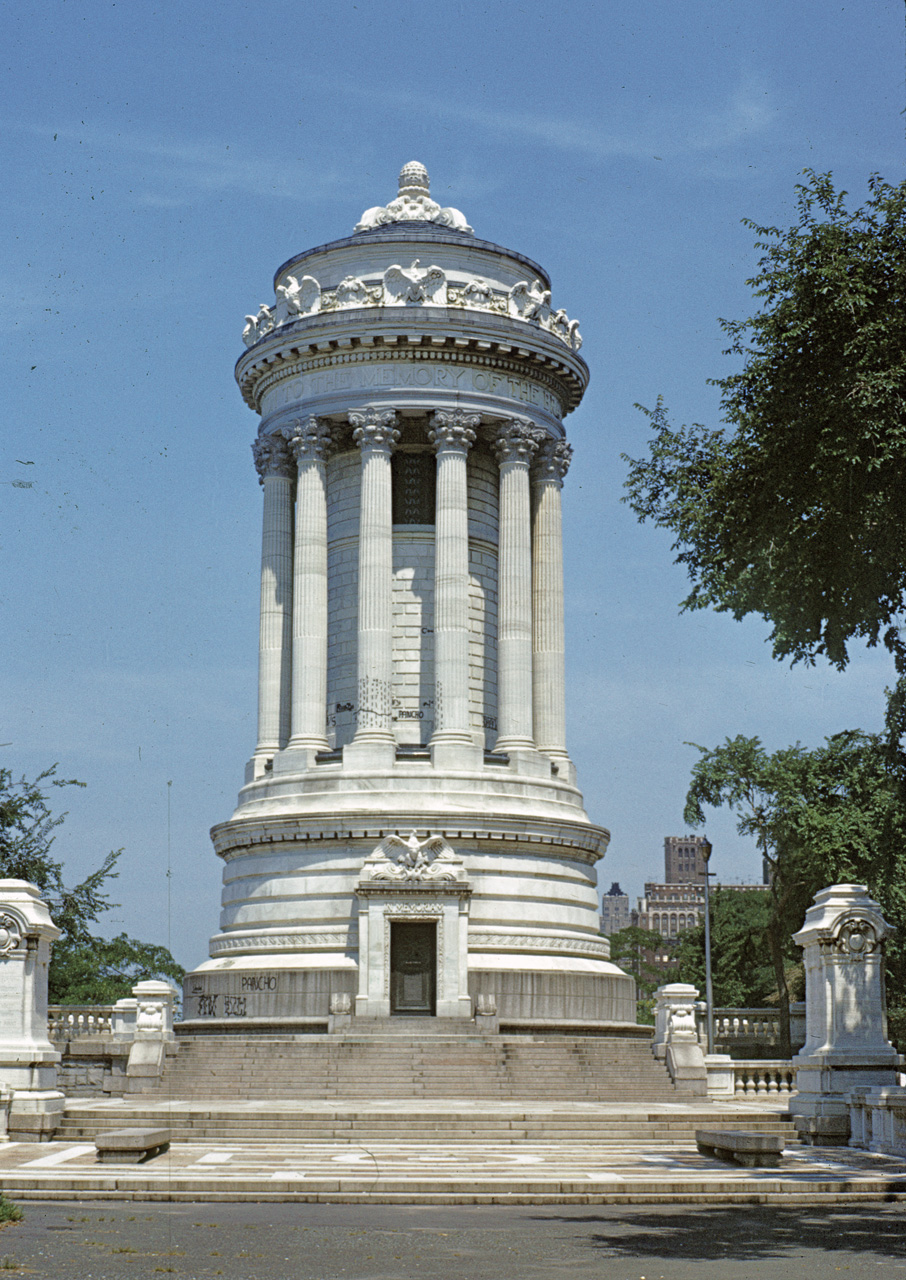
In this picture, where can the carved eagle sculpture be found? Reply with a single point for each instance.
(404, 285)
(413, 859)
(296, 298)
(257, 326)
(530, 301)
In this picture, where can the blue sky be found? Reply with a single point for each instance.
(161, 160)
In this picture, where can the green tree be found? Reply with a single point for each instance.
(634, 950)
(793, 509)
(84, 969)
(828, 816)
(741, 969)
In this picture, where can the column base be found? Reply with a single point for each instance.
(260, 764)
(561, 765)
(459, 755)
(369, 753)
(525, 759)
(293, 759)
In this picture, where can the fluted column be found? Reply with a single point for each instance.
(548, 673)
(275, 472)
(515, 445)
(309, 443)
(376, 434)
(452, 433)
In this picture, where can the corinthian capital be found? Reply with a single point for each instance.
(453, 429)
(374, 428)
(552, 461)
(271, 457)
(308, 438)
(516, 441)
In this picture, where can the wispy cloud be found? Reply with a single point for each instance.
(167, 172)
(661, 131)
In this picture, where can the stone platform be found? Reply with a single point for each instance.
(452, 1151)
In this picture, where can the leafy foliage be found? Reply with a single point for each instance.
(828, 816)
(794, 508)
(633, 950)
(84, 969)
(741, 971)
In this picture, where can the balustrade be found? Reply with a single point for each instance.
(72, 1021)
(764, 1078)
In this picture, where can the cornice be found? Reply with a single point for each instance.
(579, 840)
(438, 334)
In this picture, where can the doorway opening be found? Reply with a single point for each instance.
(413, 968)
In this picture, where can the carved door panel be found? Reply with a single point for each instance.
(413, 967)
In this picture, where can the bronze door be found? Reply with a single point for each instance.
(413, 967)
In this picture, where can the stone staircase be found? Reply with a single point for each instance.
(410, 1066)
(402, 1087)
(465, 1123)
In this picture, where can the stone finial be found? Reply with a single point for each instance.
(414, 180)
(413, 204)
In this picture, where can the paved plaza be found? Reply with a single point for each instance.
(104, 1241)
(397, 1171)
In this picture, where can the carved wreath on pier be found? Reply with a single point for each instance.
(11, 934)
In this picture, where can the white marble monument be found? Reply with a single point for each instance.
(846, 1046)
(28, 1061)
(410, 838)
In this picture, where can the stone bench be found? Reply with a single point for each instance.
(743, 1147)
(129, 1146)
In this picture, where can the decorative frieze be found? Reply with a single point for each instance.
(412, 286)
(479, 940)
(298, 940)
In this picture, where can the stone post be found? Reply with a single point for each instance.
(153, 1029)
(309, 442)
(548, 646)
(28, 1061)
(452, 433)
(515, 444)
(846, 1044)
(275, 471)
(373, 746)
(676, 1039)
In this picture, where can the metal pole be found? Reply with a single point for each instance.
(709, 995)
